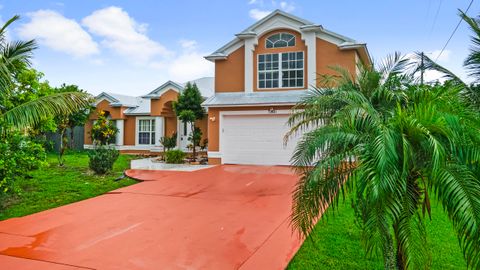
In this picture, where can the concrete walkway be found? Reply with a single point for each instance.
(153, 164)
(224, 217)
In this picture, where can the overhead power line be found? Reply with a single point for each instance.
(436, 16)
(453, 33)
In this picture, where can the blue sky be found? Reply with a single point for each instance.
(131, 47)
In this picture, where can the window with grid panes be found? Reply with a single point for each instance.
(146, 131)
(281, 70)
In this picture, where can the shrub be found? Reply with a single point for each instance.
(102, 159)
(18, 156)
(169, 142)
(174, 156)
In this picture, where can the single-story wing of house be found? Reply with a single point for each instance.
(142, 120)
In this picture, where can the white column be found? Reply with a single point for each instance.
(310, 41)
(159, 129)
(120, 127)
(249, 48)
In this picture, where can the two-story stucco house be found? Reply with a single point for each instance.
(259, 75)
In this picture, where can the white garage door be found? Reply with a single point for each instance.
(255, 139)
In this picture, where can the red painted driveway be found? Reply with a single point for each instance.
(225, 217)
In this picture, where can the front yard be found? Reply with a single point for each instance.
(336, 244)
(53, 186)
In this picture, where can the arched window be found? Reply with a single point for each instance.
(280, 40)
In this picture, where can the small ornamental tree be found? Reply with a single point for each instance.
(69, 121)
(77, 118)
(195, 137)
(189, 109)
(102, 157)
(103, 130)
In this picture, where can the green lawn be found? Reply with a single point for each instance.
(53, 186)
(336, 244)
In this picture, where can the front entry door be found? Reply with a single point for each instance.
(184, 131)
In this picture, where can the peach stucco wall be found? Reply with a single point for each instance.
(261, 49)
(129, 131)
(230, 73)
(203, 125)
(170, 126)
(329, 55)
(157, 106)
(104, 105)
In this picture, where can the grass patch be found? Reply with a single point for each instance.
(53, 186)
(336, 244)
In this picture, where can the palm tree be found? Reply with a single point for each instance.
(393, 146)
(15, 56)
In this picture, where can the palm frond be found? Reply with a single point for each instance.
(14, 56)
(3, 29)
(458, 189)
(429, 64)
(31, 113)
(472, 62)
(392, 65)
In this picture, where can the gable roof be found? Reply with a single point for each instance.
(204, 84)
(157, 92)
(290, 21)
(142, 108)
(117, 100)
(275, 13)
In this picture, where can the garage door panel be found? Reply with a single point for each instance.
(255, 139)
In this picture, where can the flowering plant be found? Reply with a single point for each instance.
(103, 130)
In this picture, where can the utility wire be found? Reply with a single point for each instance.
(453, 33)
(436, 16)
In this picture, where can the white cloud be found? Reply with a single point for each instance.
(260, 12)
(190, 64)
(288, 7)
(53, 30)
(189, 45)
(444, 57)
(124, 35)
(257, 14)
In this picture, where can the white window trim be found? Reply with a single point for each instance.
(280, 71)
(137, 125)
(281, 33)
